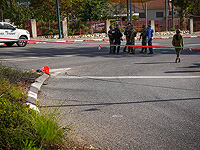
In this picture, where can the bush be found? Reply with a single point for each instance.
(21, 127)
(10, 91)
(16, 75)
(14, 127)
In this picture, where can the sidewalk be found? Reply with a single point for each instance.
(103, 37)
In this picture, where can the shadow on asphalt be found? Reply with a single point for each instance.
(46, 50)
(124, 103)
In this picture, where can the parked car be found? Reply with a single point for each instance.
(7, 30)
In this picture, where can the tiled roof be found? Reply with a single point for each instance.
(152, 3)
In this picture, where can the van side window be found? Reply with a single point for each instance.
(1, 26)
(8, 26)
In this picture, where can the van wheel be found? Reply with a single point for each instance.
(22, 43)
(9, 44)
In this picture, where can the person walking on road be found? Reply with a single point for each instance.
(126, 34)
(133, 34)
(143, 35)
(118, 38)
(150, 38)
(111, 39)
(177, 41)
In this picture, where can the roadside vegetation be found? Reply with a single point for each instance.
(21, 127)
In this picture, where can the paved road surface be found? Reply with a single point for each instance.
(121, 101)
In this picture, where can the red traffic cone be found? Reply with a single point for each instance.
(46, 69)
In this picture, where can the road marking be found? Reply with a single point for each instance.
(193, 44)
(55, 72)
(128, 77)
(33, 58)
(117, 116)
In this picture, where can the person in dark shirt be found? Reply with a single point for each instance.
(111, 39)
(126, 34)
(118, 38)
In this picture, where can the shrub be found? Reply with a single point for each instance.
(16, 75)
(23, 128)
(10, 91)
(14, 126)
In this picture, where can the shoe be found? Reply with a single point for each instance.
(176, 60)
(179, 60)
(141, 52)
(150, 53)
(124, 51)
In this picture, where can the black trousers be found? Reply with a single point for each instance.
(117, 42)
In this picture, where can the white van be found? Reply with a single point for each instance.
(9, 31)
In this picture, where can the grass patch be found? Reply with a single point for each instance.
(21, 127)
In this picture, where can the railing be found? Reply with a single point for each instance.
(91, 27)
(196, 26)
(170, 26)
(75, 28)
(48, 28)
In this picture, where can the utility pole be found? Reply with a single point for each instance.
(131, 15)
(146, 14)
(58, 14)
(166, 15)
(173, 25)
(127, 10)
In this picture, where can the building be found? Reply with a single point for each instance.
(155, 9)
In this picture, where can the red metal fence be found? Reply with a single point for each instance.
(75, 28)
(91, 27)
(170, 25)
(48, 28)
(196, 26)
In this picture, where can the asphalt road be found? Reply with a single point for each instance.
(120, 102)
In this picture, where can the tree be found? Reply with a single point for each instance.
(15, 13)
(183, 9)
(94, 10)
(194, 8)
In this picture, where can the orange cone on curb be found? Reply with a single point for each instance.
(46, 69)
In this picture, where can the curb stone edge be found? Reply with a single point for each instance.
(33, 92)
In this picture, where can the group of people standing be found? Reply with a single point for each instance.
(115, 38)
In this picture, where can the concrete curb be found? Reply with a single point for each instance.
(33, 91)
(95, 40)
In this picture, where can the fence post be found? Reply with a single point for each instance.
(64, 29)
(191, 26)
(153, 24)
(107, 25)
(33, 28)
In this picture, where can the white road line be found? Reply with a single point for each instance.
(128, 77)
(193, 45)
(55, 72)
(33, 58)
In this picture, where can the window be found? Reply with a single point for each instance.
(1, 26)
(8, 26)
(141, 15)
(159, 14)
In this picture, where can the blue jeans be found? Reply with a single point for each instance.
(150, 44)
